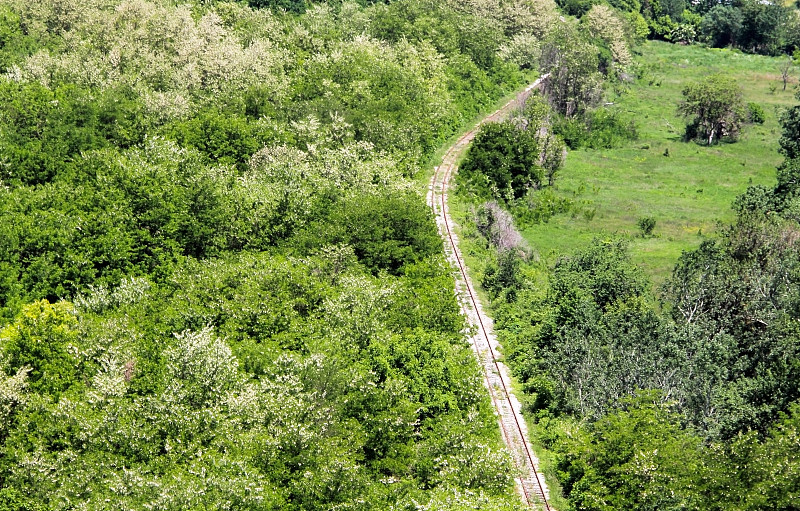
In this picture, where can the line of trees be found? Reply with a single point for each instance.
(765, 27)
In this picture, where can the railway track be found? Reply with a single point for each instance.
(529, 483)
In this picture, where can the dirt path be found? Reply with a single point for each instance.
(529, 482)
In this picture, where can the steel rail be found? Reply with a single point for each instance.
(449, 166)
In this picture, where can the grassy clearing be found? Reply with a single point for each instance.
(687, 192)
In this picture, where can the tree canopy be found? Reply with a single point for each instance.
(219, 286)
(716, 109)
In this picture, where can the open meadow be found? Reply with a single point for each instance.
(687, 188)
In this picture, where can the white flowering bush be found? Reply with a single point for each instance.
(523, 50)
(200, 367)
(605, 23)
(12, 392)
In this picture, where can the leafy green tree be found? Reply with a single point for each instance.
(716, 109)
(718, 299)
(43, 339)
(638, 457)
(763, 26)
(295, 6)
(15, 43)
(573, 84)
(790, 134)
(222, 138)
(46, 130)
(722, 25)
(751, 473)
(387, 232)
(503, 161)
(504, 275)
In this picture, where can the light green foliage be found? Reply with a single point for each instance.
(639, 28)
(348, 392)
(263, 318)
(523, 50)
(755, 113)
(572, 61)
(379, 88)
(12, 392)
(754, 474)
(200, 367)
(605, 24)
(598, 129)
(43, 342)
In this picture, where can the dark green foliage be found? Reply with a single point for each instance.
(790, 136)
(45, 130)
(755, 113)
(576, 8)
(638, 457)
(293, 6)
(221, 137)
(503, 162)
(722, 25)
(763, 26)
(15, 43)
(758, 27)
(503, 277)
(646, 224)
(386, 233)
(262, 316)
(725, 354)
(718, 295)
(592, 339)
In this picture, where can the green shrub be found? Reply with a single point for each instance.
(598, 129)
(646, 225)
(755, 113)
(539, 206)
(503, 162)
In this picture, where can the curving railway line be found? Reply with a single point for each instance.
(530, 484)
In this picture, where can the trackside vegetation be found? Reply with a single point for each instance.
(678, 396)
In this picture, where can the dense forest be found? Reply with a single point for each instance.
(220, 287)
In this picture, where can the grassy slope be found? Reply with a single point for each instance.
(687, 192)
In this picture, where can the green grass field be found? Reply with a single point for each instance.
(687, 192)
